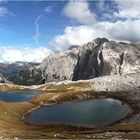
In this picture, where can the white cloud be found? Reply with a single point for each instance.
(28, 54)
(124, 30)
(37, 32)
(128, 9)
(5, 12)
(74, 36)
(119, 31)
(48, 9)
(79, 10)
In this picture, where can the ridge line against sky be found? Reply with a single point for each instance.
(31, 30)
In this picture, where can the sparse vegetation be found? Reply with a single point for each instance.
(12, 114)
(7, 87)
(11, 119)
(65, 87)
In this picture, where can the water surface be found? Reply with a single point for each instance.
(18, 96)
(98, 112)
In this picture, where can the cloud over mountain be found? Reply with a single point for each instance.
(59, 25)
(121, 30)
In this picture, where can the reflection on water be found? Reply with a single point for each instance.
(98, 112)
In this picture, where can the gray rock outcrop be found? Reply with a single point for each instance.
(4, 80)
(100, 57)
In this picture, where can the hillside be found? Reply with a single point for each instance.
(21, 73)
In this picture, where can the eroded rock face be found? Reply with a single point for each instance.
(59, 67)
(4, 80)
(100, 57)
(131, 60)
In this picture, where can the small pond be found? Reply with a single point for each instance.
(95, 113)
(18, 96)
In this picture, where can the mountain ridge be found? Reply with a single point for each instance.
(21, 73)
(99, 57)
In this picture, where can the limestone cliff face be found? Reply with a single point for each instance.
(59, 67)
(97, 58)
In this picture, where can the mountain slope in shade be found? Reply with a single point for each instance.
(4, 80)
(21, 73)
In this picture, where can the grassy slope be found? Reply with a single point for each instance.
(12, 125)
(7, 87)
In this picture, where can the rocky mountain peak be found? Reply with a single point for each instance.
(100, 57)
(100, 41)
(73, 46)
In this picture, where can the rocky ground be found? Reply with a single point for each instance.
(124, 88)
(11, 87)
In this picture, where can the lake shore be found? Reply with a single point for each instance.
(11, 118)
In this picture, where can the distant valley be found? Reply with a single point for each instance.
(20, 73)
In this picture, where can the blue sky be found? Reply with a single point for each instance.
(35, 29)
(19, 29)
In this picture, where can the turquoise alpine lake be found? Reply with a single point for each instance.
(95, 113)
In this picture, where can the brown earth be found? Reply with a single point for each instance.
(13, 126)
